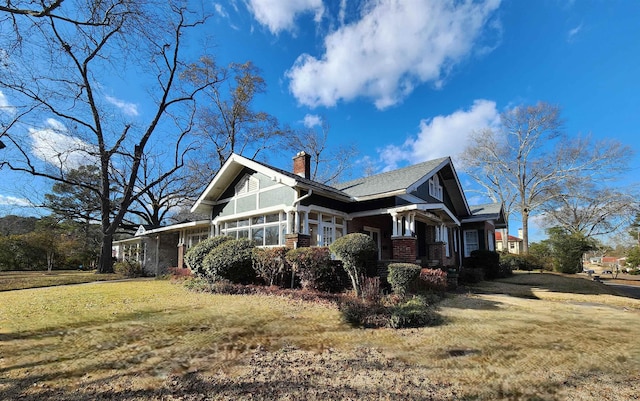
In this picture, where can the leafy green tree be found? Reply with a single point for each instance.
(634, 229)
(567, 249)
(633, 257)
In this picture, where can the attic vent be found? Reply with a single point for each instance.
(247, 185)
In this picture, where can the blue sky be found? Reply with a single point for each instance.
(407, 81)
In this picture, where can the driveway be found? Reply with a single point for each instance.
(632, 291)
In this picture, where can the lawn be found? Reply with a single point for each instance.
(16, 280)
(522, 339)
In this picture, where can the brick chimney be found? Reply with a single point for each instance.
(302, 165)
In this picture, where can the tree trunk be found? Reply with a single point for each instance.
(106, 256)
(525, 232)
(505, 240)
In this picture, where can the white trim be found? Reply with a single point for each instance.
(465, 243)
(180, 226)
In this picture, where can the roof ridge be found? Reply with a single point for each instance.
(394, 171)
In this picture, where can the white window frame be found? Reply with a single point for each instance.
(247, 185)
(467, 248)
(249, 226)
(435, 189)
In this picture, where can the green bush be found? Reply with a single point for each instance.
(195, 255)
(311, 265)
(270, 264)
(415, 312)
(128, 268)
(510, 261)
(402, 276)
(488, 261)
(356, 251)
(231, 260)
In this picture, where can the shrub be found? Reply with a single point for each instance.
(195, 255)
(179, 274)
(401, 276)
(197, 284)
(432, 280)
(510, 262)
(488, 261)
(371, 289)
(128, 268)
(231, 260)
(362, 313)
(414, 312)
(470, 275)
(270, 264)
(356, 252)
(312, 265)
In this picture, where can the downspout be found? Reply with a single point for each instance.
(295, 244)
(298, 200)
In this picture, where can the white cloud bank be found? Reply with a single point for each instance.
(442, 135)
(13, 201)
(279, 15)
(52, 145)
(395, 46)
(312, 120)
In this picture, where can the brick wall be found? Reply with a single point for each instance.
(302, 240)
(404, 249)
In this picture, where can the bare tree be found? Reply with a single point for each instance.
(163, 199)
(583, 208)
(527, 162)
(328, 165)
(61, 116)
(230, 124)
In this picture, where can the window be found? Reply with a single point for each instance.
(435, 189)
(247, 185)
(325, 228)
(194, 238)
(470, 242)
(491, 241)
(263, 230)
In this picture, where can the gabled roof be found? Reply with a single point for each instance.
(391, 182)
(510, 238)
(236, 163)
(488, 211)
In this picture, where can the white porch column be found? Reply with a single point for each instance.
(289, 223)
(297, 222)
(412, 224)
(394, 223)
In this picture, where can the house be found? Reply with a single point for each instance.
(414, 214)
(514, 244)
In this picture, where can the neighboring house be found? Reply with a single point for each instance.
(514, 244)
(414, 214)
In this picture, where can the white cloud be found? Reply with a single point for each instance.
(52, 145)
(13, 201)
(312, 120)
(395, 46)
(220, 10)
(5, 106)
(442, 135)
(573, 33)
(279, 15)
(129, 109)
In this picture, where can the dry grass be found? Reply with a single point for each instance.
(147, 340)
(17, 280)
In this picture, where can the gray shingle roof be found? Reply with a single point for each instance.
(389, 181)
(486, 210)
